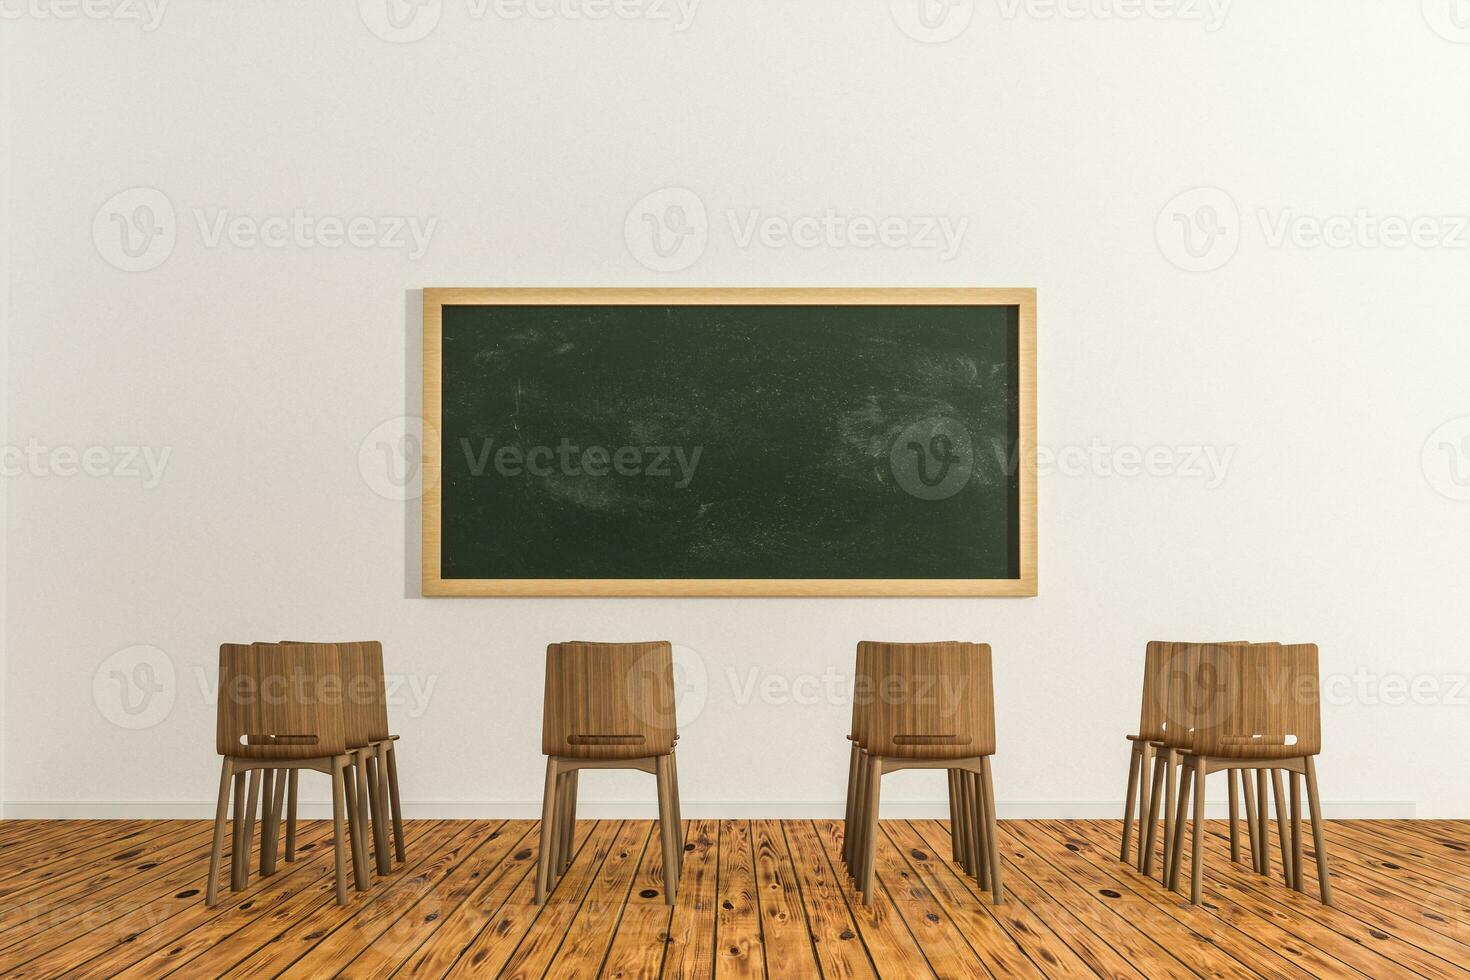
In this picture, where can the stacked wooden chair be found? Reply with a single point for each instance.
(924, 706)
(1247, 709)
(374, 752)
(607, 706)
(273, 718)
(284, 707)
(1148, 747)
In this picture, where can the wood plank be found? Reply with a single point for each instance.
(47, 903)
(586, 940)
(890, 945)
(186, 925)
(537, 951)
(1195, 935)
(739, 952)
(459, 928)
(975, 917)
(402, 905)
(498, 945)
(786, 935)
(838, 946)
(462, 906)
(131, 902)
(298, 887)
(691, 950)
(1293, 936)
(1400, 941)
(643, 934)
(250, 950)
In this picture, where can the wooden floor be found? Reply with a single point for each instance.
(758, 898)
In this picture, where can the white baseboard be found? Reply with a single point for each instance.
(643, 810)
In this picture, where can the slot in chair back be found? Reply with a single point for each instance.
(609, 700)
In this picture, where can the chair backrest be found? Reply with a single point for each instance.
(925, 700)
(366, 694)
(609, 700)
(1257, 701)
(281, 701)
(1157, 676)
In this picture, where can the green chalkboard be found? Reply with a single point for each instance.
(732, 442)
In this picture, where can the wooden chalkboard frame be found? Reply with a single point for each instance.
(435, 299)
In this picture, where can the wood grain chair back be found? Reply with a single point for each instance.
(1158, 674)
(929, 700)
(1255, 702)
(365, 696)
(281, 701)
(609, 700)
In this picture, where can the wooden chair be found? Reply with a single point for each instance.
(1249, 708)
(607, 706)
(926, 706)
(374, 754)
(964, 840)
(1148, 747)
(280, 710)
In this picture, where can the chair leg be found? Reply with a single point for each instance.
(1145, 794)
(378, 799)
(1172, 780)
(979, 827)
(1319, 837)
(339, 813)
(354, 822)
(1135, 757)
(364, 806)
(668, 835)
(569, 822)
(962, 829)
(270, 830)
(394, 803)
(238, 854)
(852, 830)
(291, 815)
(1176, 849)
(954, 816)
(1231, 778)
(1146, 841)
(217, 848)
(1298, 876)
(678, 808)
(1263, 820)
(859, 810)
(973, 824)
(870, 829)
(247, 833)
(1253, 830)
(854, 759)
(548, 834)
(992, 830)
(1197, 851)
(1281, 831)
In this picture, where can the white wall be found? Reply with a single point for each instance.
(1060, 140)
